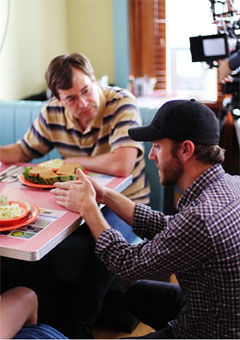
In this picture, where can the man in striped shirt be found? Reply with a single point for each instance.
(200, 243)
(88, 124)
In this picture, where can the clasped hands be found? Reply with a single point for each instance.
(80, 195)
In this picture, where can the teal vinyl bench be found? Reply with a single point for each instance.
(15, 119)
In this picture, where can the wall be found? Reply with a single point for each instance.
(37, 32)
(121, 42)
(90, 31)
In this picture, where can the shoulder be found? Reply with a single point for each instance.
(221, 194)
(118, 92)
(121, 104)
(116, 96)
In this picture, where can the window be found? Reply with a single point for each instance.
(160, 47)
(147, 40)
(188, 18)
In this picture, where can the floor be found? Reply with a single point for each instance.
(141, 329)
(103, 333)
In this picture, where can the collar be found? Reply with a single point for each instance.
(196, 188)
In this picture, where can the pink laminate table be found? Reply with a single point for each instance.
(34, 249)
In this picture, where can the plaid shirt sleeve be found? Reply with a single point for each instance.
(174, 245)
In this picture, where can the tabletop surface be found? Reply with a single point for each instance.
(54, 223)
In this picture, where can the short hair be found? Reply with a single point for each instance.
(59, 73)
(209, 154)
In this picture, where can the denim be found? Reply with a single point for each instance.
(38, 331)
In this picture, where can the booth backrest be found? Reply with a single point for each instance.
(17, 116)
(157, 191)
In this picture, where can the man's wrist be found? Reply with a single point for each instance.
(106, 195)
(95, 220)
(90, 207)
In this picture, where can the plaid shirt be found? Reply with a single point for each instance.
(200, 244)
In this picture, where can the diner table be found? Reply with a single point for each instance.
(33, 241)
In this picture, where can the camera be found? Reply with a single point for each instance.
(211, 48)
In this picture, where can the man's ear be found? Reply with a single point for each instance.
(187, 150)
(93, 78)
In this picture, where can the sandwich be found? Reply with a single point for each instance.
(45, 173)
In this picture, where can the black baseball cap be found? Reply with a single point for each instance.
(181, 120)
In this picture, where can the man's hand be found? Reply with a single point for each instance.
(78, 195)
(224, 71)
(83, 195)
(99, 188)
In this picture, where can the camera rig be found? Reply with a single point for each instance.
(211, 49)
(226, 17)
(228, 23)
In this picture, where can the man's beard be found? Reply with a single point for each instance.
(172, 171)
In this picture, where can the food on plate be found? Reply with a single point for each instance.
(46, 176)
(52, 164)
(3, 200)
(9, 211)
(68, 169)
(12, 210)
(62, 172)
(27, 205)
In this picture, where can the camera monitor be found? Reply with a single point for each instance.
(209, 47)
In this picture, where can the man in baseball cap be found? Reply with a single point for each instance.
(200, 243)
(186, 125)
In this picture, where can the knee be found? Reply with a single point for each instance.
(133, 292)
(25, 291)
(27, 294)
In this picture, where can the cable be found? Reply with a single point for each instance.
(6, 27)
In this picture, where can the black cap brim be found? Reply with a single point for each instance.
(144, 133)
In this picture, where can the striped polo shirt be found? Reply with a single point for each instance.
(56, 127)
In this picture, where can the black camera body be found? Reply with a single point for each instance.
(211, 48)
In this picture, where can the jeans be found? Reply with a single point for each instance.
(155, 303)
(38, 331)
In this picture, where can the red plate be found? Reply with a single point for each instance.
(31, 217)
(24, 181)
(23, 206)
